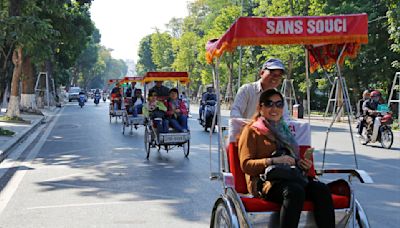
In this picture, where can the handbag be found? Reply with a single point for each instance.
(283, 172)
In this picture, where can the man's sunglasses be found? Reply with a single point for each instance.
(270, 104)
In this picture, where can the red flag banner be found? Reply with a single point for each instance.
(326, 56)
(305, 30)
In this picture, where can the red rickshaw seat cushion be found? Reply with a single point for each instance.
(261, 205)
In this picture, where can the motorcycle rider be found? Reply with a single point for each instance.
(370, 107)
(360, 112)
(97, 96)
(209, 95)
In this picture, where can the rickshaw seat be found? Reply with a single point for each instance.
(261, 205)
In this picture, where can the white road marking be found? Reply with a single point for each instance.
(9, 190)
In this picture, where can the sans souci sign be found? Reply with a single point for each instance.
(310, 26)
(310, 30)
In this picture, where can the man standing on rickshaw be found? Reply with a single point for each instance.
(161, 90)
(246, 99)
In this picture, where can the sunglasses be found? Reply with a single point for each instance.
(270, 104)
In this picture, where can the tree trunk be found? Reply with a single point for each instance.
(13, 105)
(28, 97)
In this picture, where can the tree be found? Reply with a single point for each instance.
(145, 62)
(161, 50)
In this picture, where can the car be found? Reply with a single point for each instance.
(73, 94)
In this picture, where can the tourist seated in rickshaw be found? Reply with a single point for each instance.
(265, 146)
(116, 97)
(161, 90)
(156, 111)
(177, 111)
(137, 103)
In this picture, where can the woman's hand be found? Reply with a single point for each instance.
(177, 110)
(305, 164)
(285, 159)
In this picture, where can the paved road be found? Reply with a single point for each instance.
(88, 174)
(82, 172)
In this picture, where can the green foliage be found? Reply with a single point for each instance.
(208, 19)
(5, 132)
(145, 62)
(161, 50)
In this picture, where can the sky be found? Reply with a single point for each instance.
(123, 23)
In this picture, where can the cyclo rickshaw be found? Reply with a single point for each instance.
(115, 112)
(172, 139)
(128, 120)
(235, 207)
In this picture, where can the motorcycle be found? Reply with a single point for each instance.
(104, 98)
(96, 98)
(385, 134)
(81, 100)
(208, 114)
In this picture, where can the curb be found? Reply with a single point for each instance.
(4, 154)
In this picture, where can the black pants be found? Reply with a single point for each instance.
(292, 195)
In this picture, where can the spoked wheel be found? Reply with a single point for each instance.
(186, 148)
(123, 128)
(361, 219)
(110, 118)
(386, 137)
(147, 142)
(221, 217)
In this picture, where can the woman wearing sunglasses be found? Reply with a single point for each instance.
(260, 141)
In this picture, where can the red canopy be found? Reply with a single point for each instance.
(128, 79)
(112, 81)
(183, 77)
(306, 30)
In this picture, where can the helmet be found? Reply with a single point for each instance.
(375, 93)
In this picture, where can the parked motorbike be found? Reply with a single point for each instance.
(97, 98)
(208, 114)
(385, 134)
(81, 100)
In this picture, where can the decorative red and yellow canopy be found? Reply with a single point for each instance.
(305, 30)
(128, 79)
(112, 81)
(182, 77)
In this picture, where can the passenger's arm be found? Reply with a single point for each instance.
(240, 103)
(248, 151)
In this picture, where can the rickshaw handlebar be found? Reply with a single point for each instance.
(362, 176)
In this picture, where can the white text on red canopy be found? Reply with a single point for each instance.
(312, 26)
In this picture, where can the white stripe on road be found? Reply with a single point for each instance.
(10, 188)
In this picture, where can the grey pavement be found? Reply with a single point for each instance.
(21, 129)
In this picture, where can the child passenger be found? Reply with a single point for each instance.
(177, 112)
(155, 110)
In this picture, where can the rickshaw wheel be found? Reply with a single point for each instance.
(386, 137)
(123, 128)
(186, 148)
(221, 217)
(147, 142)
(110, 117)
(361, 219)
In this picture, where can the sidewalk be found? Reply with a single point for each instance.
(21, 130)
